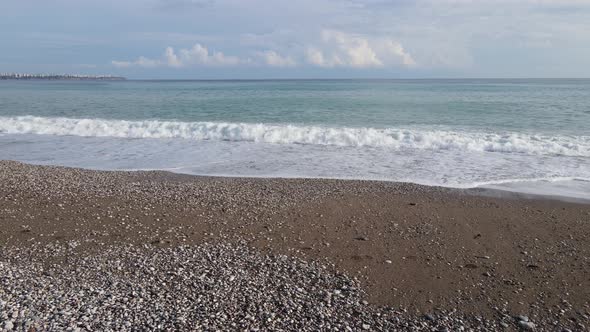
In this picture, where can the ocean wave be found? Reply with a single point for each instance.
(293, 134)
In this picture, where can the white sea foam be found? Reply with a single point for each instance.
(395, 138)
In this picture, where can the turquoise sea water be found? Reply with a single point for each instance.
(524, 135)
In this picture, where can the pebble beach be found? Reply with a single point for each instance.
(84, 250)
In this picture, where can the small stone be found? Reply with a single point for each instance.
(8, 325)
(366, 326)
(429, 317)
(388, 261)
(529, 326)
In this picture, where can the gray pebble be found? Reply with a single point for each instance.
(526, 325)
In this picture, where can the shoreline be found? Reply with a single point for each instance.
(415, 249)
(479, 190)
(475, 190)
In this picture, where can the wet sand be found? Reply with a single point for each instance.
(413, 248)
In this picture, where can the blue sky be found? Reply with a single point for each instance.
(297, 39)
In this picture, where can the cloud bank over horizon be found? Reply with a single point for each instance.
(197, 55)
(306, 38)
(335, 49)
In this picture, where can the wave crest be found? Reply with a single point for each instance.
(292, 134)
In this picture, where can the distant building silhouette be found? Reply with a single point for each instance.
(71, 77)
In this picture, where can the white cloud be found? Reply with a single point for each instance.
(337, 49)
(334, 49)
(273, 59)
(483, 36)
(316, 57)
(140, 62)
(200, 55)
(197, 55)
(171, 58)
(396, 50)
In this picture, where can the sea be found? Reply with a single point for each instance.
(527, 135)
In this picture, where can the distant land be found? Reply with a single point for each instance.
(65, 77)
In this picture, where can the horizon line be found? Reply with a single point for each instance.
(357, 79)
(90, 77)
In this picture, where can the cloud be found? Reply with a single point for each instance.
(334, 49)
(273, 59)
(198, 55)
(140, 62)
(394, 51)
(171, 58)
(339, 49)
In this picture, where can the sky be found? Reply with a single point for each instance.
(256, 39)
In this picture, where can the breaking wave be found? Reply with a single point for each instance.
(293, 134)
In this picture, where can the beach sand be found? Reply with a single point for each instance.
(413, 249)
